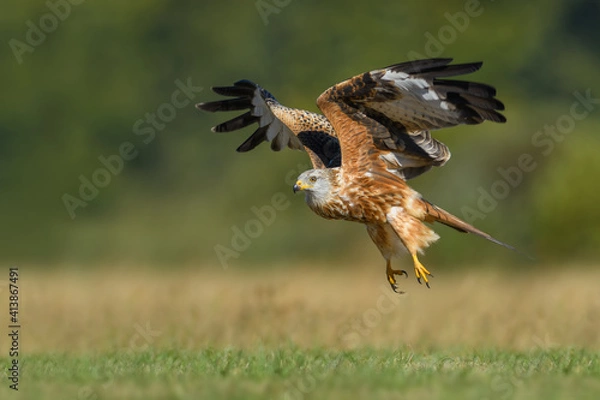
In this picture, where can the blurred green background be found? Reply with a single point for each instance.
(83, 88)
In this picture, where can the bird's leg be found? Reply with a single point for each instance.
(391, 275)
(420, 270)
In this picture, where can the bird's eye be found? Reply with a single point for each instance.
(312, 179)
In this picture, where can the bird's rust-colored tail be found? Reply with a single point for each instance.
(436, 214)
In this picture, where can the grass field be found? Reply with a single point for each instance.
(306, 333)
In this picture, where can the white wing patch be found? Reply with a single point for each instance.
(395, 212)
(417, 86)
(407, 226)
(416, 114)
(267, 118)
(260, 107)
(420, 105)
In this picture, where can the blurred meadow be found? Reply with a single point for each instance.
(129, 218)
(93, 83)
(307, 333)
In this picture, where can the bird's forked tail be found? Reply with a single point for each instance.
(436, 214)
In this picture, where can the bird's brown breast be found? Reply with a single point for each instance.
(361, 199)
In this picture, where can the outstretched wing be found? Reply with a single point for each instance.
(384, 116)
(280, 125)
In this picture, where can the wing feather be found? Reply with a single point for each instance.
(240, 89)
(401, 104)
(236, 104)
(277, 124)
(254, 140)
(236, 123)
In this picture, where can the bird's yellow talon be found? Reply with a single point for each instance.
(421, 271)
(391, 276)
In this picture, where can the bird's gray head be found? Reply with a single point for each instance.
(316, 183)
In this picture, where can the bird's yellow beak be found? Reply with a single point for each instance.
(300, 186)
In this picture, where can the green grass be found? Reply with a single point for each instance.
(480, 336)
(294, 373)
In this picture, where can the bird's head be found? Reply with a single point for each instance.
(316, 183)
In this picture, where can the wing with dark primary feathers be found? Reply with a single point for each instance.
(280, 125)
(399, 105)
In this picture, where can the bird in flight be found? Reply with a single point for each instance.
(373, 136)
